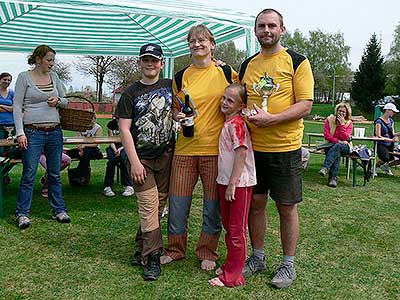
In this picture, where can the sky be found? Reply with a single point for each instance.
(356, 19)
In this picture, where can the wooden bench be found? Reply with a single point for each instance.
(6, 164)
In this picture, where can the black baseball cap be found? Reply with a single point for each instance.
(152, 50)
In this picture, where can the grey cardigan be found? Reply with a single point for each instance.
(30, 103)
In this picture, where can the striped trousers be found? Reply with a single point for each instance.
(185, 172)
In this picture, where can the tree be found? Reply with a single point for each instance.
(328, 55)
(181, 62)
(98, 67)
(123, 71)
(392, 65)
(228, 53)
(63, 71)
(369, 79)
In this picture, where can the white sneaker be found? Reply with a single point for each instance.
(385, 168)
(129, 191)
(108, 192)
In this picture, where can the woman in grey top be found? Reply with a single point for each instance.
(38, 93)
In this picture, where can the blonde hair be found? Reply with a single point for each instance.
(200, 31)
(348, 109)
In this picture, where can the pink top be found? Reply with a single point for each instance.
(235, 134)
(342, 133)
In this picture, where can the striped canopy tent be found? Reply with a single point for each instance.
(111, 27)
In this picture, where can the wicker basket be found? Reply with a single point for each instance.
(77, 119)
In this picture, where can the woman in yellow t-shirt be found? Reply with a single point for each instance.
(205, 83)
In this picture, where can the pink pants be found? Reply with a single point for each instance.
(234, 218)
(65, 161)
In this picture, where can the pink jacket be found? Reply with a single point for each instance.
(342, 133)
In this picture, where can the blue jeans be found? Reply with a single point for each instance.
(51, 143)
(332, 159)
(112, 162)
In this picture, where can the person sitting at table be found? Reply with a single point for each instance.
(86, 153)
(116, 156)
(6, 107)
(65, 162)
(337, 130)
(384, 128)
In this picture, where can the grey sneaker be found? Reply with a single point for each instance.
(108, 192)
(385, 168)
(62, 217)
(23, 222)
(323, 171)
(332, 182)
(129, 191)
(253, 265)
(284, 276)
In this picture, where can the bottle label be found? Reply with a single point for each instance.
(188, 121)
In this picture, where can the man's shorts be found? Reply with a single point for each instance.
(279, 174)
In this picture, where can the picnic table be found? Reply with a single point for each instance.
(6, 163)
(374, 155)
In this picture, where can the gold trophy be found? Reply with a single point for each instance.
(9, 129)
(265, 88)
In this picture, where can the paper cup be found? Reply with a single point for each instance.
(359, 132)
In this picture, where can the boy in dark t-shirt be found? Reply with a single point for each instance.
(145, 121)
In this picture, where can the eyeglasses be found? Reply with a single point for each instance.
(200, 41)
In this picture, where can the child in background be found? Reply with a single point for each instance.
(236, 177)
(65, 162)
(116, 156)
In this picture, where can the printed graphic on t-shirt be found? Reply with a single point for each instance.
(153, 118)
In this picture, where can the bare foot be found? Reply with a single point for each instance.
(218, 271)
(165, 259)
(216, 282)
(208, 265)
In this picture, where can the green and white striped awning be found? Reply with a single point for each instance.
(112, 27)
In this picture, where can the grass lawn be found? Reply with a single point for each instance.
(349, 246)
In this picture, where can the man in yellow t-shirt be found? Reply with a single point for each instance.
(280, 92)
(197, 156)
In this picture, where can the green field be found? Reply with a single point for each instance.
(349, 246)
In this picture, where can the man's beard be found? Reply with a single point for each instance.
(273, 41)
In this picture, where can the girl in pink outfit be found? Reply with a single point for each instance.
(236, 177)
(337, 130)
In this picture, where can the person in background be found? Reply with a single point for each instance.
(276, 128)
(38, 94)
(145, 122)
(65, 162)
(6, 107)
(116, 156)
(196, 156)
(86, 153)
(337, 130)
(384, 128)
(236, 177)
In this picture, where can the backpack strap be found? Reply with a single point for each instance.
(366, 165)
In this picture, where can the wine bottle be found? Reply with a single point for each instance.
(188, 122)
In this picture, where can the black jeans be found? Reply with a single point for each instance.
(112, 162)
(383, 152)
(89, 153)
